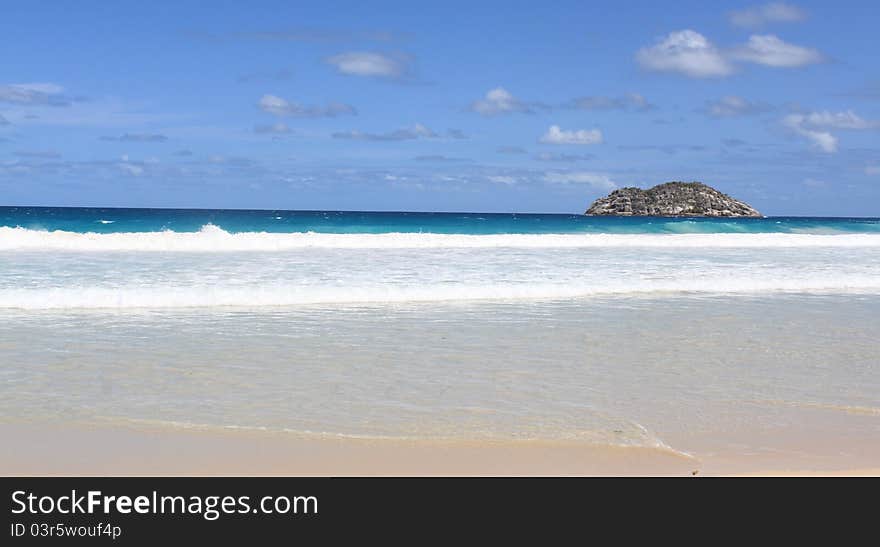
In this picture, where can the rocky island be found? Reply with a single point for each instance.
(674, 199)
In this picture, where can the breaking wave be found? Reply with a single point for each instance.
(210, 238)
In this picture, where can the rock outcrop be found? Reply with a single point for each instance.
(675, 199)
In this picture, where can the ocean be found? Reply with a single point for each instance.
(690, 335)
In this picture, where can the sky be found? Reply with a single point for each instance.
(438, 106)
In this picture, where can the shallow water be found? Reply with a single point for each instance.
(630, 371)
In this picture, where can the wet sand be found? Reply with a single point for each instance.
(41, 449)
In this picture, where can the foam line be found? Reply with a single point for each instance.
(299, 295)
(213, 239)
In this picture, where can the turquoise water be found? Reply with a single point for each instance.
(74, 258)
(190, 220)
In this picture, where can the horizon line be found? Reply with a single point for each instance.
(395, 211)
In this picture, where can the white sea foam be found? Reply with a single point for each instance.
(128, 297)
(629, 434)
(213, 239)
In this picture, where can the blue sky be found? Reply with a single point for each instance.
(444, 106)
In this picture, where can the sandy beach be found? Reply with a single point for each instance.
(717, 386)
(135, 451)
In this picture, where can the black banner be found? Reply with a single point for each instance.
(126, 511)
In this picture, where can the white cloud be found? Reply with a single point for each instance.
(692, 54)
(136, 137)
(731, 105)
(547, 156)
(34, 94)
(596, 180)
(816, 126)
(774, 12)
(632, 101)
(769, 50)
(823, 140)
(132, 169)
(514, 150)
(364, 63)
(838, 120)
(498, 101)
(38, 154)
(282, 107)
(106, 112)
(274, 105)
(638, 101)
(416, 131)
(502, 179)
(556, 135)
(45, 88)
(686, 52)
(272, 129)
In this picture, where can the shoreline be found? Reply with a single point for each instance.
(44, 449)
(122, 450)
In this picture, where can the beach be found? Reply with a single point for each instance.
(571, 347)
(52, 450)
(492, 389)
